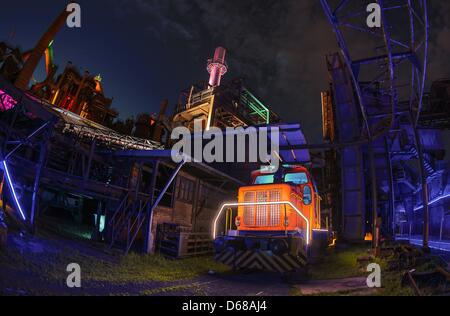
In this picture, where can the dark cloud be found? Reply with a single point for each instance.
(279, 46)
(439, 52)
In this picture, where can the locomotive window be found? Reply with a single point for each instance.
(307, 196)
(296, 178)
(265, 179)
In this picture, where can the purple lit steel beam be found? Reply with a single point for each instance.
(10, 183)
(26, 139)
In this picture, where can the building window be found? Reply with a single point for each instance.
(210, 197)
(185, 189)
(163, 177)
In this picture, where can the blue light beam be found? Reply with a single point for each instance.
(11, 187)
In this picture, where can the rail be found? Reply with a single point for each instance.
(110, 137)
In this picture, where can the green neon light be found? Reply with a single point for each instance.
(50, 51)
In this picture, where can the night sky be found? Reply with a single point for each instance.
(148, 50)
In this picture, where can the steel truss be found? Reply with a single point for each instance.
(387, 67)
(398, 57)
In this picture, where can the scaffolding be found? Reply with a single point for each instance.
(387, 79)
(53, 151)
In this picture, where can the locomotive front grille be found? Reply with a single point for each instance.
(262, 215)
(261, 210)
(249, 211)
(275, 213)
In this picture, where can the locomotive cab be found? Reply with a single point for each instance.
(295, 194)
(274, 223)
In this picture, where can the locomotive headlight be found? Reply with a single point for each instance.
(237, 221)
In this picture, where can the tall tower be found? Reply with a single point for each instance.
(217, 67)
(30, 65)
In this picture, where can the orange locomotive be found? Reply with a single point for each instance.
(276, 218)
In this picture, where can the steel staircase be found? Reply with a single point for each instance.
(427, 164)
(127, 220)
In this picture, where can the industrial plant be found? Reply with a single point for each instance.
(80, 182)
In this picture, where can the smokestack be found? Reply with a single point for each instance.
(217, 67)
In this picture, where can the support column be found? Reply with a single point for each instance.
(423, 178)
(391, 188)
(195, 204)
(89, 164)
(148, 238)
(37, 179)
(374, 196)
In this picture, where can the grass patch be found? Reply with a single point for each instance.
(51, 264)
(142, 268)
(342, 263)
(338, 264)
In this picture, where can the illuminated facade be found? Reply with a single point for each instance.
(79, 93)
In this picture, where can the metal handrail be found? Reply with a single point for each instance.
(118, 208)
(226, 205)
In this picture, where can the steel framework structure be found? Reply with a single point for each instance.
(393, 49)
(387, 69)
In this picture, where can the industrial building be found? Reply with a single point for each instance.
(381, 169)
(126, 188)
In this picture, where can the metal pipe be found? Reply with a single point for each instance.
(285, 221)
(166, 187)
(425, 64)
(227, 214)
(155, 204)
(423, 178)
(217, 67)
(391, 186)
(26, 139)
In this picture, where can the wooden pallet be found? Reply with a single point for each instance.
(178, 242)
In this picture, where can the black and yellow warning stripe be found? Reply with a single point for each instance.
(261, 260)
